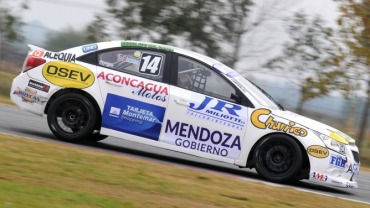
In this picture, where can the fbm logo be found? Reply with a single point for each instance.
(338, 161)
(68, 75)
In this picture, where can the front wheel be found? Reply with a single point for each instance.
(278, 158)
(72, 117)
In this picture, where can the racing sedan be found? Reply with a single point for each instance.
(183, 101)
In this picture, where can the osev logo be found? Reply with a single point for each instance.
(318, 151)
(69, 75)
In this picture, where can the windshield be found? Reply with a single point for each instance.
(258, 94)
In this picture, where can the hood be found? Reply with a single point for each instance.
(315, 126)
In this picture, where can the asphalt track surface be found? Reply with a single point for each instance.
(16, 122)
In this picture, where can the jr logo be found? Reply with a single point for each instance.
(218, 106)
(218, 111)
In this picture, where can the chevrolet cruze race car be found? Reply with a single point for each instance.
(182, 101)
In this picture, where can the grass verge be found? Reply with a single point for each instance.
(40, 174)
(6, 80)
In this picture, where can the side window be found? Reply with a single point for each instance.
(147, 64)
(199, 78)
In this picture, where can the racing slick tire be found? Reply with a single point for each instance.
(72, 117)
(278, 158)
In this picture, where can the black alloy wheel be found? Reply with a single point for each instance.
(72, 117)
(278, 158)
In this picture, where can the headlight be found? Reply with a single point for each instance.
(332, 143)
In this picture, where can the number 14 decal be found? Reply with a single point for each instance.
(150, 64)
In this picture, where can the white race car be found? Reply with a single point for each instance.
(183, 101)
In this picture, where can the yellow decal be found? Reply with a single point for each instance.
(338, 138)
(68, 75)
(275, 125)
(318, 151)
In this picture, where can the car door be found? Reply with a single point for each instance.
(135, 99)
(206, 114)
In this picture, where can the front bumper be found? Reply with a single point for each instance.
(336, 169)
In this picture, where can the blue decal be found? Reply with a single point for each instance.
(133, 117)
(223, 69)
(89, 48)
(232, 74)
(353, 168)
(338, 161)
(218, 111)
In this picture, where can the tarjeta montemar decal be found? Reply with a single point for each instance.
(132, 116)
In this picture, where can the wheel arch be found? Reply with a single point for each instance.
(305, 163)
(78, 91)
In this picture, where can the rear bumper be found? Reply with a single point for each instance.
(27, 95)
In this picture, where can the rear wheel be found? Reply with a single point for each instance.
(72, 117)
(278, 158)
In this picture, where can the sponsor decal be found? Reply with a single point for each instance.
(30, 96)
(202, 139)
(336, 182)
(263, 119)
(128, 59)
(115, 112)
(133, 117)
(146, 45)
(69, 75)
(353, 168)
(38, 85)
(38, 53)
(342, 149)
(318, 151)
(150, 64)
(139, 88)
(349, 185)
(106, 64)
(89, 48)
(67, 57)
(137, 54)
(319, 176)
(218, 111)
(338, 161)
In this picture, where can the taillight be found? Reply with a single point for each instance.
(32, 62)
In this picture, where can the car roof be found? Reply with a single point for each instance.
(145, 45)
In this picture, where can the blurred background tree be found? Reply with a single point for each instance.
(10, 33)
(67, 38)
(10, 23)
(355, 27)
(204, 26)
(311, 59)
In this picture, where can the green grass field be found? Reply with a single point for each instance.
(5, 84)
(47, 174)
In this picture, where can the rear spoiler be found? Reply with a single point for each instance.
(33, 47)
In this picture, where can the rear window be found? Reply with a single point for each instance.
(147, 64)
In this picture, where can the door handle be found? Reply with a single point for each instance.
(182, 102)
(113, 83)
